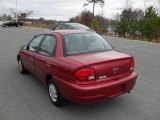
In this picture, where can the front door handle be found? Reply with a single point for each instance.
(48, 64)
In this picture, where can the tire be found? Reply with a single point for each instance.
(17, 25)
(21, 68)
(54, 94)
(4, 26)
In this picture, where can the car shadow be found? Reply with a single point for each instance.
(69, 108)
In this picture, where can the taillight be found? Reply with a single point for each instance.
(85, 74)
(132, 64)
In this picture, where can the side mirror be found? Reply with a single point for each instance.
(24, 47)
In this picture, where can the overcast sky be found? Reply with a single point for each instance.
(65, 9)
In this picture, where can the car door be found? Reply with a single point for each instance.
(8, 23)
(43, 57)
(11, 23)
(29, 54)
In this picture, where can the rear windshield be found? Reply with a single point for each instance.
(85, 43)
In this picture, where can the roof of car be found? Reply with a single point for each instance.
(65, 32)
(71, 23)
(75, 25)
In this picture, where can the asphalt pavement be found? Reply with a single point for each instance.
(23, 97)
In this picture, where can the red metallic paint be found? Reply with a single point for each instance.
(62, 70)
(95, 92)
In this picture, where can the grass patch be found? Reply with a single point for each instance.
(43, 26)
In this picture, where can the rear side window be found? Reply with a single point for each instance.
(85, 43)
(48, 46)
(33, 45)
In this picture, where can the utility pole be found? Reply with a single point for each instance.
(102, 5)
(102, 20)
(16, 10)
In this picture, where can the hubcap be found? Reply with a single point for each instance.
(53, 92)
(20, 65)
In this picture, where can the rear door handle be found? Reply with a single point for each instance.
(48, 64)
(54, 64)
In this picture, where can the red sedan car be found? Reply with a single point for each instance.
(79, 66)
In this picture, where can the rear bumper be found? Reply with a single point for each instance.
(92, 93)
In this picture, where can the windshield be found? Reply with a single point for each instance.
(85, 43)
(78, 26)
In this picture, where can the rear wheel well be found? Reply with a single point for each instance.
(18, 57)
(48, 77)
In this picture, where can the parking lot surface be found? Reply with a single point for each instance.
(23, 97)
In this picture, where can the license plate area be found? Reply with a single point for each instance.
(115, 91)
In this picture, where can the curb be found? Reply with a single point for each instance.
(134, 40)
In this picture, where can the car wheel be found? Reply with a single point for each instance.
(4, 26)
(17, 25)
(54, 94)
(21, 68)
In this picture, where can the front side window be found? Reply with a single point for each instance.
(85, 43)
(33, 45)
(48, 46)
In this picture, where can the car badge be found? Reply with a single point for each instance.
(115, 70)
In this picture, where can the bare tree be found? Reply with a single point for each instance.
(28, 13)
(5, 17)
(13, 12)
(132, 15)
(94, 2)
(129, 4)
(21, 15)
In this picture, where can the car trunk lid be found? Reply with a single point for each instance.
(108, 65)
